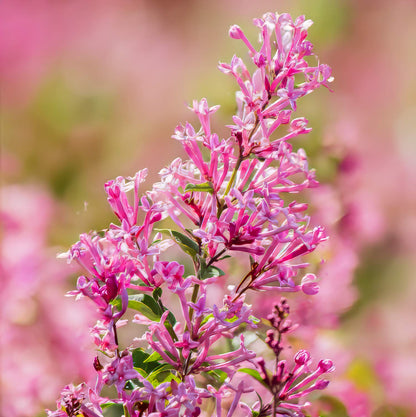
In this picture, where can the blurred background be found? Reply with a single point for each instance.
(93, 89)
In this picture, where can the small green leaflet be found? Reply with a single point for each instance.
(108, 405)
(204, 187)
(154, 357)
(255, 374)
(112, 409)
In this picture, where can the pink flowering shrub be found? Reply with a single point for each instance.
(232, 200)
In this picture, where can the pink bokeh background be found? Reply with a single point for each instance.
(94, 89)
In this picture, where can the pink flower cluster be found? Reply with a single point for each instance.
(231, 196)
(289, 383)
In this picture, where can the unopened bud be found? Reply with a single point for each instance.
(326, 365)
(322, 384)
(235, 32)
(302, 357)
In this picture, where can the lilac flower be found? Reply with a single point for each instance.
(118, 199)
(167, 399)
(229, 359)
(119, 371)
(232, 196)
(76, 400)
(172, 274)
(186, 344)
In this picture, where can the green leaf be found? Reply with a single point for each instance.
(254, 373)
(218, 375)
(160, 374)
(151, 308)
(204, 187)
(139, 356)
(214, 271)
(149, 301)
(146, 305)
(141, 371)
(170, 377)
(188, 245)
(158, 307)
(144, 309)
(112, 409)
(154, 357)
(141, 362)
(210, 271)
(171, 320)
(157, 293)
(108, 405)
(116, 303)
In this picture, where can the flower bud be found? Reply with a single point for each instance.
(326, 365)
(321, 384)
(302, 357)
(235, 32)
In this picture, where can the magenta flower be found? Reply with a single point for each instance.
(232, 198)
(119, 371)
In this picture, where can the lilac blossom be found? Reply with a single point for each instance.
(233, 201)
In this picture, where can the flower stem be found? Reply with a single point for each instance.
(233, 175)
(193, 299)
